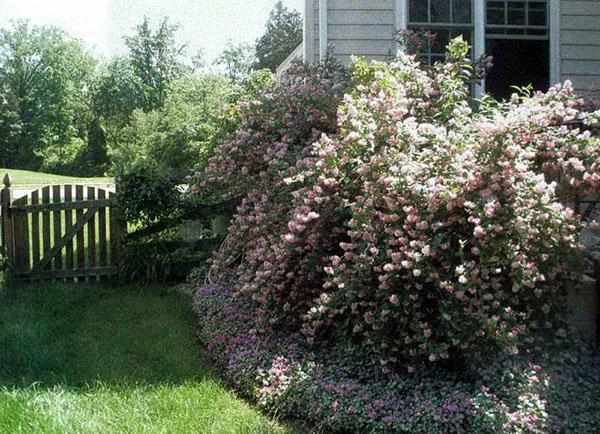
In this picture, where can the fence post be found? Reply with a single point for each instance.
(6, 220)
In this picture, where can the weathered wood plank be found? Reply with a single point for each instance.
(35, 230)
(102, 232)
(57, 218)
(84, 204)
(6, 220)
(77, 228)
(46, 228)
(91, 231)
(21, 234)
(80, 236)
(70, 260)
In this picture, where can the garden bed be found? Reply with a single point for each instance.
(291, 378)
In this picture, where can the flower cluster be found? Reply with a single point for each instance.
(323, 387)
(415, 226)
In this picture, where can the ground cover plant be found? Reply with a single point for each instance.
(387, 224)
(110, 359)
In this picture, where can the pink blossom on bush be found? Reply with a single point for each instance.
(381, 205)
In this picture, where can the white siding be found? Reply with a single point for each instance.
(580, 43)
(355, 27)
(366, 28)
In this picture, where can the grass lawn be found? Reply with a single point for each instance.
(26, 179)
(100, 359)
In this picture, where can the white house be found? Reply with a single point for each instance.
(538, 42)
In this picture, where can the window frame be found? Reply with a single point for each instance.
(451, 26)
(518, 27)
(478, 9)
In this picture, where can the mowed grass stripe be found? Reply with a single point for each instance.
(28, 179)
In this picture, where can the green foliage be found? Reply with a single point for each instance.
(283, 34)
(116, 92)
(237, 61)
(155, 59)
(44, 96)
(62, 114)
(180, 136)
(146, 195)
(163, 260)
(156, 251)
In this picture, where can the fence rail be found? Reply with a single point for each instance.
(61, 232)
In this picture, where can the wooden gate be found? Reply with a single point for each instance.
(61, 232)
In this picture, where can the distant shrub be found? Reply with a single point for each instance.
(146, 194)
(199, 112)
(155, 208)
(415, 228)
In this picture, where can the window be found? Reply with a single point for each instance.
(517, 37)
(444, 19)
(524, 18)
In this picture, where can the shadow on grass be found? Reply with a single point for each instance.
(86, 358)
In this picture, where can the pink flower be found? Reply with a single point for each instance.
(479, 232)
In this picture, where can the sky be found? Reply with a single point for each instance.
(205, 24)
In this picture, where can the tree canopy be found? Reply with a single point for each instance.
(283, 34)
(45, 78)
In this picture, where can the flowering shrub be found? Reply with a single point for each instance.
(415, 227)
(278, 129)
(292, 378)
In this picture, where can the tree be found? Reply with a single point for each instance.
(283, 34)
(178, 136)
(155, 59)
(237, 61)
(140, 81)
(45, 77)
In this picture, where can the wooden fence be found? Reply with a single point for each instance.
(61, 232)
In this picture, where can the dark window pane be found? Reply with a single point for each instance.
(537, 18)
(417, 11)
(440, 42)
(516, 17)
(440, 11)
(495, 16)
(517, 63)
(538, 6)
(516, 5)
(461, 10)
